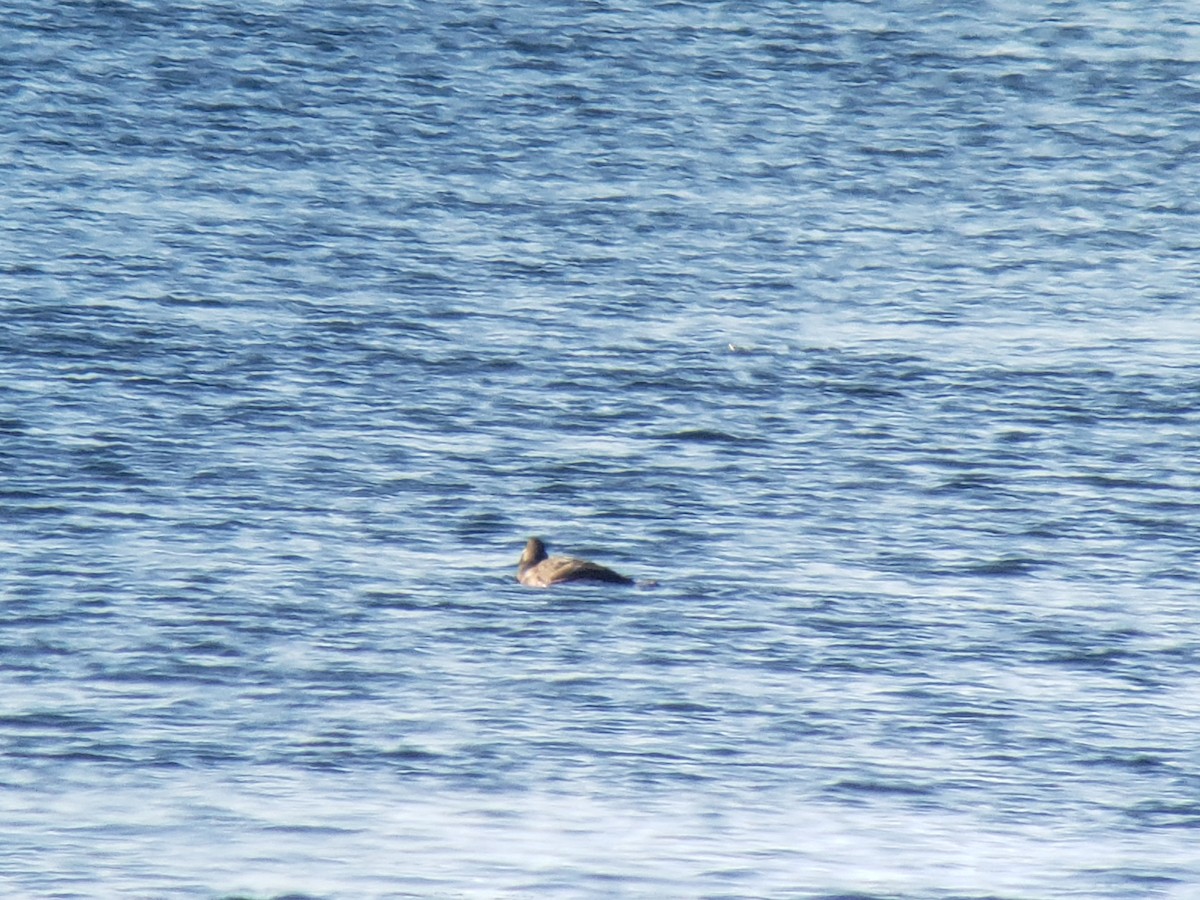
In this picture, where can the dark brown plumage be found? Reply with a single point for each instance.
(536, 569)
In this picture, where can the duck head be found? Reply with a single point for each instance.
(534, 553)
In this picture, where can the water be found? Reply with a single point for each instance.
(868, 330)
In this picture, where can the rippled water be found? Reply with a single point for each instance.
(867, 330)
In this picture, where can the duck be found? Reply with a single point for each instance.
(537, 569)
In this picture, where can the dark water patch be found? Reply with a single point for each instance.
(400, 601)
(708, 436)
(49, 722)
(1182, 814)
(1006, 567)
(1092, 658)
(1136, 762)
(872, 787)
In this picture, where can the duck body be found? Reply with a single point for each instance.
(537, 569)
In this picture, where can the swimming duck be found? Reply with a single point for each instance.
(536, 569)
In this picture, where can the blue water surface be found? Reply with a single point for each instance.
(868, 330)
